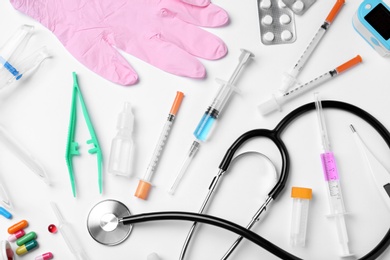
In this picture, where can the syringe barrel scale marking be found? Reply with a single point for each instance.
(290, 78)
(331, 176)
(159, 147)
(144, 184)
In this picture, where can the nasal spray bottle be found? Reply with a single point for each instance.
(121, 155)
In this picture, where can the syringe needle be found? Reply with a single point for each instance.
(190, 155)
(290, 78)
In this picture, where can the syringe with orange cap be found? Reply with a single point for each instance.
(144, 184)
(275, 101)
(290, 78)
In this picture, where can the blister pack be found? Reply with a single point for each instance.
(299, 7)
(277, 24)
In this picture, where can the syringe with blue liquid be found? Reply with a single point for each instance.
(207, 123)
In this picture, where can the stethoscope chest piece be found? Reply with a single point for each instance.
(104, 222)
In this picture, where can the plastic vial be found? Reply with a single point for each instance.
(121, 155)
(301, 198)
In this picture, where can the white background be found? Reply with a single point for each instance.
(36, 112)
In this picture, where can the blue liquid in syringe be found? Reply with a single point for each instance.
(205, 125)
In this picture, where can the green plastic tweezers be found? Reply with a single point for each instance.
(72, 145)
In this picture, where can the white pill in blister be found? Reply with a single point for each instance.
(298, 6)
(284, 19)
(281, 4)
(286, 35)
(269, 36)
(267, 20)
(265, 4)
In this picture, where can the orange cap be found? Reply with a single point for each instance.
(143, 189)
(18, 226)
(176, 103)
(335, 10)
(301, 193)
(349, 64)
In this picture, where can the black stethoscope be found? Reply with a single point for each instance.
(110, 221)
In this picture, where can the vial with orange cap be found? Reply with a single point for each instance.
(301, 198)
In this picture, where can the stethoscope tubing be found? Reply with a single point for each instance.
(211, 220)
(273, 135)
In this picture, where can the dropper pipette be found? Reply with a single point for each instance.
(207, 123)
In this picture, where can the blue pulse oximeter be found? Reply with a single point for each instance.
(372, 22)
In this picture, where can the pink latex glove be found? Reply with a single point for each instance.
(164, 33)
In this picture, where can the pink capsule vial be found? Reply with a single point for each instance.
(45, 256)
(17, 235)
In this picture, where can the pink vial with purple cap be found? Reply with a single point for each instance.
(17, 235)
(45, 256)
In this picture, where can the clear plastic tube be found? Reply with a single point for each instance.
(4, 198)
(67, 233)
(15, 45)
(12, 67)
(23, 155)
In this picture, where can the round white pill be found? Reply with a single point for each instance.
(281, 4)
(284, 19)
(286, 35)
(265, 4)
(269, 36)
(267, 20)
(298, 6)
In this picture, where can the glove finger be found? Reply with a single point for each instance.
(193, 39)
(207, 16)
(166, 56)
(103, 59)
(197, 2)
